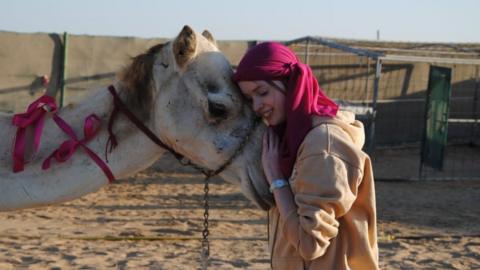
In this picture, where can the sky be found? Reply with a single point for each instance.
(400, 20)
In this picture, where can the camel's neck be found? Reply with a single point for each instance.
(79, 175)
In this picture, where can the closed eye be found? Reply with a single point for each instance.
(163, 65)
(263, 93)
(211, 87)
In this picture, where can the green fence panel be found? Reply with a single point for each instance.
(436, 116)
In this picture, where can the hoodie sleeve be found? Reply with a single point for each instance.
(324, 187)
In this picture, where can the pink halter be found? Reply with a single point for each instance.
(35, 116)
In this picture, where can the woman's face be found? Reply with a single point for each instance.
(267, 99)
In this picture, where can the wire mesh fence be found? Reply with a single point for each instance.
(383, 83)
(393, 111)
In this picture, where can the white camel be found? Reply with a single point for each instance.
(182, 91)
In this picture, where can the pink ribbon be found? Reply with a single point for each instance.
(34, 116)
(68, 147)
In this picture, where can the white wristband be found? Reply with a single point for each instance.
(278, 183)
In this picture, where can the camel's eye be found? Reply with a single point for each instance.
(217, 110)
(211, 87)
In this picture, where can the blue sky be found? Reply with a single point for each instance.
(401, 20)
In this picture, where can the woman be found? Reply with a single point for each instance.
(320, 178)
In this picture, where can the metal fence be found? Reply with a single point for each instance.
(385, 84)
(348, 75)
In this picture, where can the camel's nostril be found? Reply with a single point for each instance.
(217, 110)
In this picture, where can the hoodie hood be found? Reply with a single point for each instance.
(346, 121)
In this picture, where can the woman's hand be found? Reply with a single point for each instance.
(271, 156)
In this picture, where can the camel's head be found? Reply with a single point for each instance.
(184, 90)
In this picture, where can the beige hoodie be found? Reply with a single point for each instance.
(334, 225)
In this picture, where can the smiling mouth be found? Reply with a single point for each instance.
(267, 114)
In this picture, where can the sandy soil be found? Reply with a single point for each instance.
(154, 221)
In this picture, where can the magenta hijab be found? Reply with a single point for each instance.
(304, 98)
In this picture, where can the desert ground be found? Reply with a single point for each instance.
(154, 221)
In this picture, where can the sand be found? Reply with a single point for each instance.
(154, 221)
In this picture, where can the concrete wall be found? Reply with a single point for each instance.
(92, 62)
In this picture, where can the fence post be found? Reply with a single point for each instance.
(307, 48)
(64, 69)
(474, 109)
(367, 81)
(371, 135)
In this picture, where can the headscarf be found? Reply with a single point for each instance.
(304, 98)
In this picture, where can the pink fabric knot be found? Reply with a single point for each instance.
(64, 152)
(34, 116)
(290, 66)
(67, 148)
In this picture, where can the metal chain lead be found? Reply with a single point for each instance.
(205, 232)
(205, 253)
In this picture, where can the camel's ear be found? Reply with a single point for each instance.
(184, 46)
(209, 37)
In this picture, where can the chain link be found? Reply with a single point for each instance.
(205, 232)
